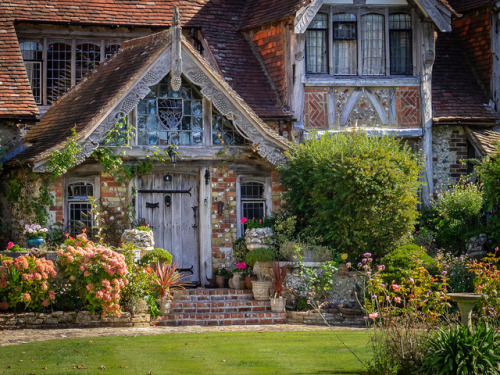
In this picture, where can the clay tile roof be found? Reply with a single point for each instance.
(486, 139)
(219, 21)
(84, 104)
(456, 94)
(467, 5)
(260, 12)
(16, 99)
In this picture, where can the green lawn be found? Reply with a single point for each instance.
(206, 353)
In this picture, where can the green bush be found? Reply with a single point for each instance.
(458, 216)
(460, 351)
(240, 250)
(151, 258)
(262, 254)
(489, 173)
(358, 192)
(405, 258)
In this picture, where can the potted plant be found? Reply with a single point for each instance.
(35, 235)
(247, 276)
(260, 260)
(240, 267)
(222, 276)
(278, 276)
(168, 281)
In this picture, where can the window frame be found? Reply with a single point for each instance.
(359, 11)
(102, 42)
(266, 197)
(68, 181)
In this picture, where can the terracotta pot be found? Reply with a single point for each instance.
(219, 280)
(231, 283)
(278, 304)
(248, 281)
(260, 290)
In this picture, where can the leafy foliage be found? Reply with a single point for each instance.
(460, 351)
(456, 216)
(60, 161)
(405, 258)
(262, 254)
(240, 249)
(158, 255)
(358, 192)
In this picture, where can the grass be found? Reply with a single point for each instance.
(316, 352)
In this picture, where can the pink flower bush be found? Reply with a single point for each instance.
(98, 273)
(24, 282)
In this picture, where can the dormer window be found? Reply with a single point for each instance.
(363, 42)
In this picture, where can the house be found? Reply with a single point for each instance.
(223, 86)
(465, 109)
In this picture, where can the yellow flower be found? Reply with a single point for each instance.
(344, 256)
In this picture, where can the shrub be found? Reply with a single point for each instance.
(461, 279)
(460, 351)
(262, 254)
(240, 250)
(25, 283)
(405, 258)
(98, 274)
(151, 258)
(458, 216)
(358, 192)
(489, 173)
(284, 229)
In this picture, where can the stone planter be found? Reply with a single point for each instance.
(231, 283)
(35, 242)
(278, 304)
(258, 237)
(165, 306)
(260, 290)
(219, 280)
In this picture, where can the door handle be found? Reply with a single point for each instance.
(195, 214)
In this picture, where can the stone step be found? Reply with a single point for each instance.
(201, 294)
(219, 306)
(202, 319)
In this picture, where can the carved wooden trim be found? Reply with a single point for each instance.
(305, 15)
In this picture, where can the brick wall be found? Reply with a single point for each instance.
(408, 106)
(270, 42)
(316, 108)
(278, 191)
(474, 31)
(56, 211)
(224, 225)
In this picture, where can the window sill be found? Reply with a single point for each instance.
(327, 80)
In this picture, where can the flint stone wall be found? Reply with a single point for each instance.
(61, 319)
(258, 237)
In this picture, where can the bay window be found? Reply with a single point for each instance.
(363, 42)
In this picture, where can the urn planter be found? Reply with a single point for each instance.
(35, 242)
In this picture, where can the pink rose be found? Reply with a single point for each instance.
(9, 245)
(395, 287)
(243, 220)
(373, 315)
(397, 299)
(27, 297)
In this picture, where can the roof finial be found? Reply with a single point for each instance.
(176, 69)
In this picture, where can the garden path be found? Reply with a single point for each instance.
(22, 336)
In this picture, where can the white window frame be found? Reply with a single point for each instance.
(359, 11)
(94, 180)
(267, 197)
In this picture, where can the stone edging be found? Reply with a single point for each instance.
(71, 319)
(333, 318)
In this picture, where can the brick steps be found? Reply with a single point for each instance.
(219, 307)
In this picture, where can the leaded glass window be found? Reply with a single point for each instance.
(223, 131)
(88, 56)
(110, 49)
(80, 207)
(372, 44)
(316, 44)
(32, 52)
(58, 69)
(400, 43)
(345, 55)
(167, 117)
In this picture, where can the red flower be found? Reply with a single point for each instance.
(244, 220)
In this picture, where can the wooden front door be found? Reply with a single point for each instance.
(169, 202)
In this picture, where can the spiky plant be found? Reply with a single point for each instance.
(278, 278)
(169, 280)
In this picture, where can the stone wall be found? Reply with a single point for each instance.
(332, 317)
(449, 147)
(60, 319)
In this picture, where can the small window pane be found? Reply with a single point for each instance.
(79, 207)
(252, 190)
(372, 44)
(111, 49)
(400, 43)
(223, 131)
(316, 45)
(58, 69)
(88, 56)
(345, 54)
(32, 56)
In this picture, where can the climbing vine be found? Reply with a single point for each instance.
(60, 161)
